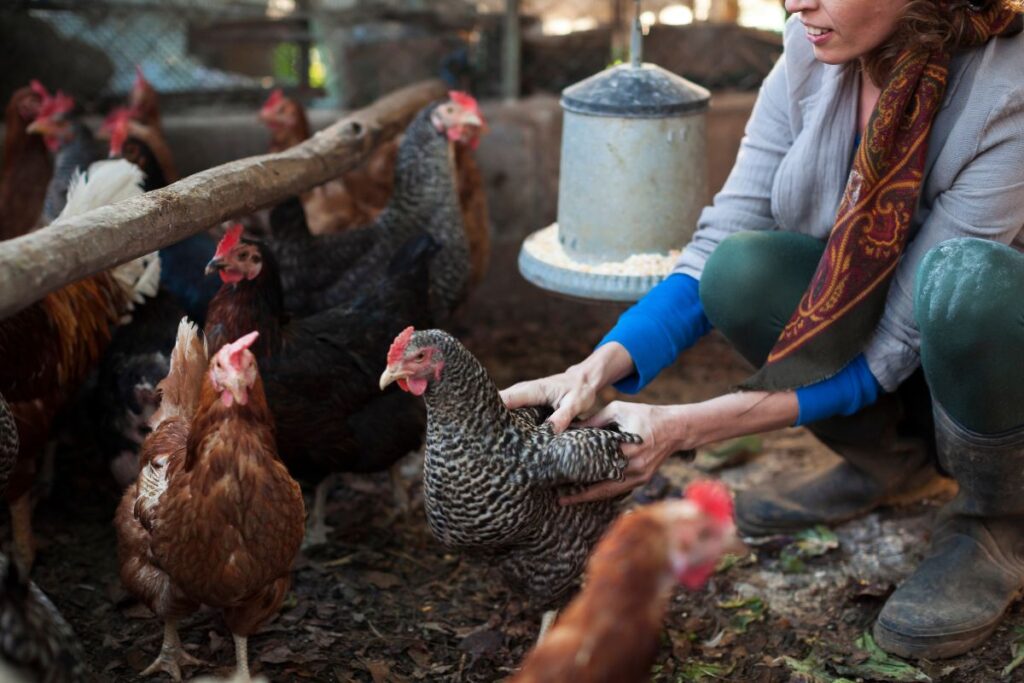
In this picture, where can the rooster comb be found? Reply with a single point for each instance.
(275, 99)
(236, 349)
(51, 105)
(229, 241)
(398, 346)
(464, 100)
(712, 497)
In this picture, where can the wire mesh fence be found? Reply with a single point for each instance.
(345, 53)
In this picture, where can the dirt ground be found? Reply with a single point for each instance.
(384, 602)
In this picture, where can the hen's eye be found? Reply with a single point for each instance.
(255, 259)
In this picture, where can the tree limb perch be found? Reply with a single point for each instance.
(35, 264)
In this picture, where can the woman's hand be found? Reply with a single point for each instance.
(573, 392)
(664, 431)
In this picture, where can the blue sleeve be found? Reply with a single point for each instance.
(666, 322)
(845, 393)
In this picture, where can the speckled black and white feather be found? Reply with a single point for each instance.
(492, 477)
(35, 641)
(8, 444)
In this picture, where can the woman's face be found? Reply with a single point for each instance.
(843, 30)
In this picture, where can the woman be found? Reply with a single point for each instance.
(857, 255)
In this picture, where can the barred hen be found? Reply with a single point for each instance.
(214, 517)
(320, 271)
(609, 633)
(492, 477)
(36, 643)
(8, 444)
(26, 166)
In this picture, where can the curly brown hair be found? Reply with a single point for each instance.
(928, 25)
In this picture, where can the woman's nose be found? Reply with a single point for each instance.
(794, 6)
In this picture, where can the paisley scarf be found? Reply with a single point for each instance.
(846, 296)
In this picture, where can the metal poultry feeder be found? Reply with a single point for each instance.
(633, 180)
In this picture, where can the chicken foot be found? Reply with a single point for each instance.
(172, 655)
(317, 529)
(21, 530)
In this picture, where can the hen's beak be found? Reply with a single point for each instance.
(41, 127)
(471, 119)
(390, 375)
(214, 265)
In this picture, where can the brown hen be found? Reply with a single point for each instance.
(609, 633)
(26, 169)
(214, 517)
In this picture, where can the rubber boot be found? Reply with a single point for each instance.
(974, 568)
(879, 466)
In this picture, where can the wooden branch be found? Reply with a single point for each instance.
(33, 265)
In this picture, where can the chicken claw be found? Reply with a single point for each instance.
(172, 655)
(317, 530)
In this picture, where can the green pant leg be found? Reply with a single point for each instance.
(753, 282)
(970, 311)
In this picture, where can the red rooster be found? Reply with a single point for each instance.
(609, 633)
(50, 347)
(26, 167)
(214, 517)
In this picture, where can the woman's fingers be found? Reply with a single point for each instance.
(602, 417)
(563, 417)
(530, 393)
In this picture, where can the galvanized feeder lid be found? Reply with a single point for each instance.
(635, 91)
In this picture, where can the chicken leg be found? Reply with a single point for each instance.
(172, 655)
(317, 529)
(241, 659)
(21, 530)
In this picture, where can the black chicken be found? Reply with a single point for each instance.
(492, 476)
(321, 271)
(8, 444)
(36, 644)
(320, 372)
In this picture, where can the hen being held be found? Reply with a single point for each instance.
(609, 633)
(214, 517)
(492, 477)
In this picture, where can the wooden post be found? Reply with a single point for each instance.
(511, 52)
(35, 264)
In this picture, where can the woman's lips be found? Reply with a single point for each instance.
(817, 36)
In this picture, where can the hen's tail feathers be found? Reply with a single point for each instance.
(106, 182)
(109, 182)
(180, 389)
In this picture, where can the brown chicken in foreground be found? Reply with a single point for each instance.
(609, 633)
(27, 166)
(214, 517)
(361, 194)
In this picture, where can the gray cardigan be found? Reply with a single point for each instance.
(795, 157)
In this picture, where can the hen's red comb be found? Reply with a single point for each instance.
(464, 100)
(235, 348)
(114, 117)
(116, 124)
(274, 99)
(51, 105)
(140, 78)
(229, 241)
(712, 497)
(398, 346)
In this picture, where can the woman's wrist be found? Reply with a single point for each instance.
(606, 365)
(730, 416)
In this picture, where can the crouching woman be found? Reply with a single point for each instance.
(864, 254)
